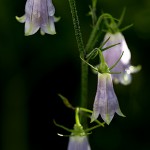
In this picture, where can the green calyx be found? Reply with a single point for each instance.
(78, 128)
(113, 24)
(103, 67)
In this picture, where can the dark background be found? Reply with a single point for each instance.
(34, 69)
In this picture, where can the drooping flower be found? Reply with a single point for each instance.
(78, 139)
(77, 142)
(105, 103)
(39, 14)
(112, 54)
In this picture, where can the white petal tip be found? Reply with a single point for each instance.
(107, 118)
(56, 19)
(21, 19)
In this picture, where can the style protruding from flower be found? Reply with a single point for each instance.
(39, 14)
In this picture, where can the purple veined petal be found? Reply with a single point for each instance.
(78, 143)
(50, 8)
(33, 15)
(30, 28)
(100, 97)
(112, 55)
(116, 51)
(44, 23)
(107, 100)
(106, 103)
(47, 21)
(112, 104)
(29, 8)
(49, 26)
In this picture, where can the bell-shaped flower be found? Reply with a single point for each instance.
(77, 142)
(112, 54)
(105, 103)
(78, 139)
(39, 14)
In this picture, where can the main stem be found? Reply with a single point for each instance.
(84, 67)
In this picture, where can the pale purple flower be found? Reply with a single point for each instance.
(39, 14)
(112, 54)
(105, 103)
(77, 142)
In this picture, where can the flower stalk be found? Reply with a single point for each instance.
(82, 51)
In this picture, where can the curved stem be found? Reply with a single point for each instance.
(77, 120)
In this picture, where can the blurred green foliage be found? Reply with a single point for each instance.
(34, 69)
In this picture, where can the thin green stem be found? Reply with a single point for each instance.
(86, 110)
(95, 34)
(93, 12)
(63, 127)
(77, 120)
(84, 67)
(92, 128)
(84, 84)
(77, 27)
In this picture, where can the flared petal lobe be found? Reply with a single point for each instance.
(112, 55)
(105, 103)
(47, 23)
(32, 12)
(78, 143)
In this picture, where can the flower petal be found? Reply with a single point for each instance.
(112, 101)
(50, 8)
(33, 15)
(49, 27)
(112, 54)
(100, 98)
(47, 18)
(78, 143)
(21, 19)
(108, 106)
(106, 102)
(30, 28)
